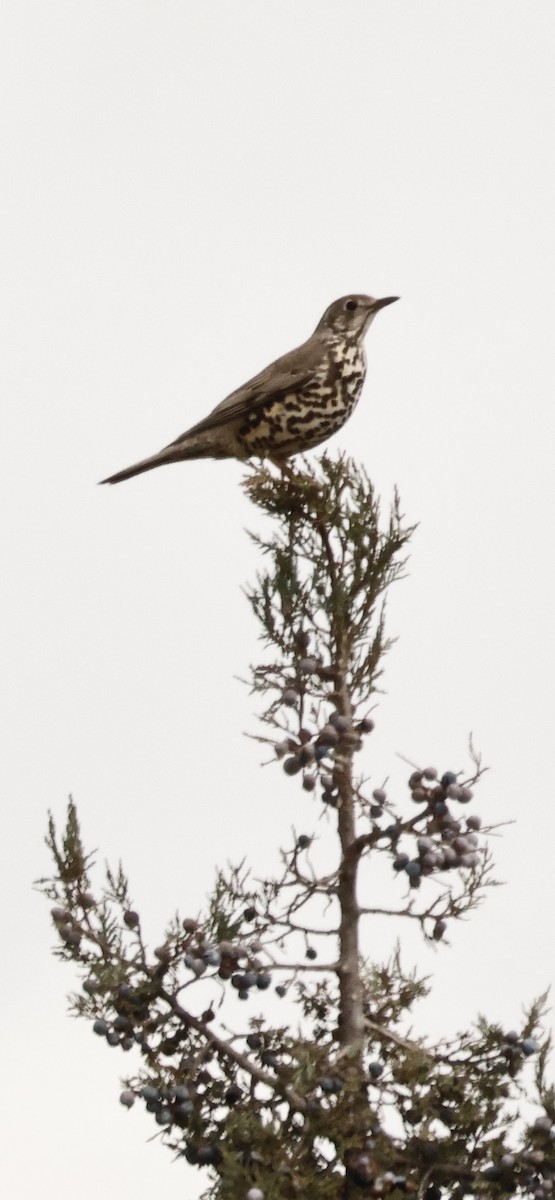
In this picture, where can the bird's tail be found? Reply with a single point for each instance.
(148, 464)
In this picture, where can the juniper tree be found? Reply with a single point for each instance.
(327, 1095)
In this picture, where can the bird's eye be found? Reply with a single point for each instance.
(351, 305)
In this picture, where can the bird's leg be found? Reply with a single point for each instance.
(281, 464)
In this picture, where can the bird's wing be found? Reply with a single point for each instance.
(293, 370)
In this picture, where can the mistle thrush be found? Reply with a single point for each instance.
(297, 402)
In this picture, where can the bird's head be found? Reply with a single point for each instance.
(352, 314)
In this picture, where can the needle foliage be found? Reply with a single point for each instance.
(271, 1051)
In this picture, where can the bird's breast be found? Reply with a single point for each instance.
(298, 420)
(342, 377)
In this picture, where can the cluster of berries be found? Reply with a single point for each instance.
(363, 1169)
(533, 1168)
(67, 926)
(227, 957)
(306, 752)
(514, 1047)
(170, 1106)
(447, 841)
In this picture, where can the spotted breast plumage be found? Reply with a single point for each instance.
(296, 403)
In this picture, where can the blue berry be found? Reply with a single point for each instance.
(292, 765)
(342, 724)
(465, 796)
(306, 753)
(328, 736)
(447, 778)
(375, 1069)
(308, 666)
(401, 862)
(90, 986)
(529, 1046)
(250, 979)
(330, 1084)
(207, 1155)
(122, 1023)
(509, 1051)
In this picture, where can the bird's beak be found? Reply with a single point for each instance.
(377, 304)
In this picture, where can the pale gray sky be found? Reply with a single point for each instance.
(185, 188)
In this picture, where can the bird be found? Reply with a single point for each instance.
(293, 405)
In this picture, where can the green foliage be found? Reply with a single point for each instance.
(330, 564)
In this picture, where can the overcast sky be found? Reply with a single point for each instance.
(186, 187)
